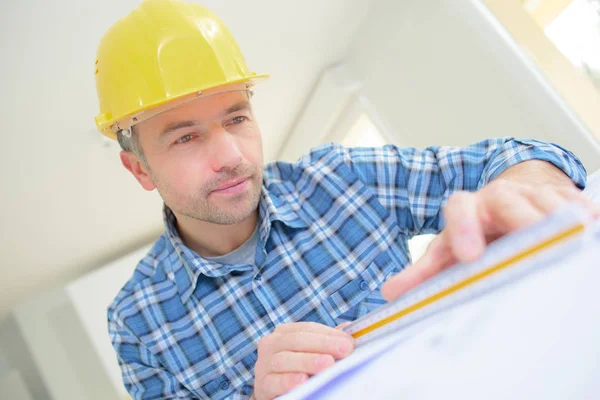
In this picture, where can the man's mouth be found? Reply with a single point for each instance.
(232, 186)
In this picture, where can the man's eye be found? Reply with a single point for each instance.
(238, 120)
(184, 139)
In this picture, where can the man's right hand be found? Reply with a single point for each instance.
(293, 352)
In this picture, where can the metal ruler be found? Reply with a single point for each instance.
(507, 259)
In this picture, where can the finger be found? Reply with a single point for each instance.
(546, 198)
(574, 194)
(509, 211)
(464, 227)
(311, 327)
(436, 258)
(308, 342)
(277, 384)
(309, 363)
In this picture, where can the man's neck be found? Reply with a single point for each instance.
(212, 240)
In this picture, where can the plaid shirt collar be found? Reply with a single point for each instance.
(191, 265)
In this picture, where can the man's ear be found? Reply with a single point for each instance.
(138, 169)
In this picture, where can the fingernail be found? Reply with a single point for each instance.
(300, 378)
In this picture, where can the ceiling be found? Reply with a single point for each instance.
(68, 206)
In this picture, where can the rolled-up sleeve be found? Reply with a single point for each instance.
(514, 151)
(415, 183)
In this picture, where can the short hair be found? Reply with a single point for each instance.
(131, 143)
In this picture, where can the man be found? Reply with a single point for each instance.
(241, 295)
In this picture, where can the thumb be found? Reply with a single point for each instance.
(436, 258)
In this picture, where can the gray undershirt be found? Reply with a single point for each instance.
(245, 254)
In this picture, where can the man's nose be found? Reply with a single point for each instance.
(226, 154)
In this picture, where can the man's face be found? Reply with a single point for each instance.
(205, 158)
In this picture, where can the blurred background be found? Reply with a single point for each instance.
(360, 72)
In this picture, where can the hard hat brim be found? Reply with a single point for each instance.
(109, 125)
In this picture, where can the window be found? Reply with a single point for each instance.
(574, 28)
(363, 134)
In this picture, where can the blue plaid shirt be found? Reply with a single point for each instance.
(332, 228)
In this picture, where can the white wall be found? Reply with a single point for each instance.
(90, 297)
(12, 386)
(4, 364)
(438, 72)
(45, 341)
(57, 346)
(21, 358)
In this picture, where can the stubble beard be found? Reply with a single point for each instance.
(233, 212)
(233, 209)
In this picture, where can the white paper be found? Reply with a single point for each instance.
(537, 338)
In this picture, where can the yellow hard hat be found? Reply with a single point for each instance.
(164, 50)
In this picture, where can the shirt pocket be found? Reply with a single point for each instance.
(358, 296)
(236, 382)
(371, 303)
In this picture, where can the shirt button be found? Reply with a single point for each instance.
(258, 277)
(364, 285)
(224, 385)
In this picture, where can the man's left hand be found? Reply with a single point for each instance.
(475, 219)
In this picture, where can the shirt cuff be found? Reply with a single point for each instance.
(514, 151)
